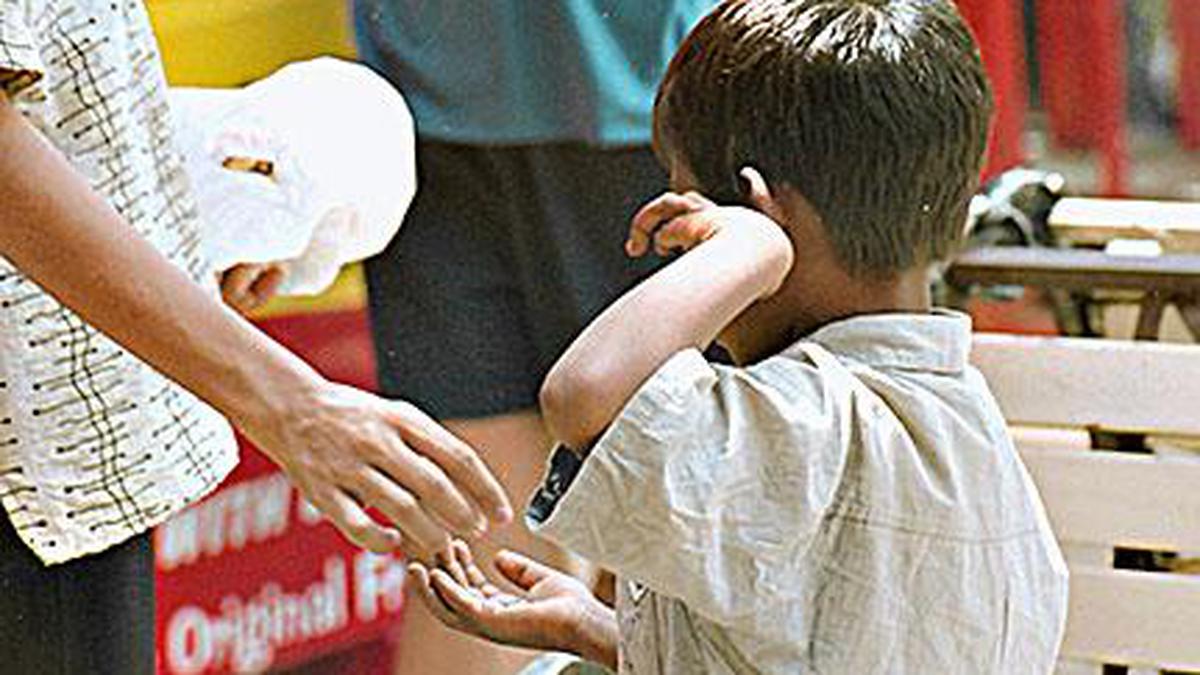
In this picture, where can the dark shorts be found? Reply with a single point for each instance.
(92, 615)
(505, 255)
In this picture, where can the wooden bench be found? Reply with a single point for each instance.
(1156, 282)
(1083, 221)
(1078, 273)
(1056, 394)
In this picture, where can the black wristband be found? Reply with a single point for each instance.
(564, 466)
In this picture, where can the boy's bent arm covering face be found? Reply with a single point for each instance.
(696, 476)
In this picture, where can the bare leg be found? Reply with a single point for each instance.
(516, 447)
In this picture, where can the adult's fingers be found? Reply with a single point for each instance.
(266, 286)
(438, 495)
(403, 510)
(236, 283)
(665, 207)
(458, 460)
(354, 522)
(522, 571)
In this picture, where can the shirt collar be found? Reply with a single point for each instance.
(938, 342)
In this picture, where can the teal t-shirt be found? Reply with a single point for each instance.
(526, 71)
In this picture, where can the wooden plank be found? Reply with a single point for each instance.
(1076, 269)
(1121, 386)
(1050, 438)
(1095, 222)
(1097, 500)
(1134, 618)
(1087, 555)
(1077, 667)
(1118, 499)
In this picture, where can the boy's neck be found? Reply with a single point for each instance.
(818, 290)
(814, 296)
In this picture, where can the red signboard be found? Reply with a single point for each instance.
(251, 577)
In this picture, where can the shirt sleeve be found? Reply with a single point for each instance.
(20, 62)
(708, 487)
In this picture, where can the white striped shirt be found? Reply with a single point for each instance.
(95, 446)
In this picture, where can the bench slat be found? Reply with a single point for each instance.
(1134, 618)
(1089, 221)
(1122, 386)
(1114, 499)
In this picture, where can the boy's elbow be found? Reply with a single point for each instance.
(565, 411)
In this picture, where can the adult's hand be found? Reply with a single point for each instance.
(349, 451)
(249, 286)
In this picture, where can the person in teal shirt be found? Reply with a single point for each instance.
(519, 72)
(534, 125)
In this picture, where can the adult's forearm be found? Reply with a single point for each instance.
(67, 239)
(345, 450)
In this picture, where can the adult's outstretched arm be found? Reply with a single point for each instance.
(345, 449)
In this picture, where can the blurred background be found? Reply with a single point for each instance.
(1108, 92)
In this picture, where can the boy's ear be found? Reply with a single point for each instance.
(757, 194)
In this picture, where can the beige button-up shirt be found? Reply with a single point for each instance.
(94, 445)
(851, 505)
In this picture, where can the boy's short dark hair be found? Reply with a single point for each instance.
(876, 111)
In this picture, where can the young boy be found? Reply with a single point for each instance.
(846, 500)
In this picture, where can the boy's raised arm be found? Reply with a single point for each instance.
(343, 448)
(735, 256)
